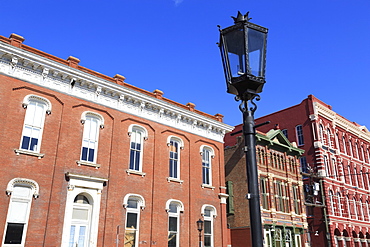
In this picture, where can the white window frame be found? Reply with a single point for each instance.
(91, 187)
(140, 206)
(29, 121)
(174, 161)
(34, 192)
(179, 209)
(207, 165)
(328, 133)
(299, 135)
(339, 202)
(210, 218)
(344, 145)
(86, 117)
(133, 132)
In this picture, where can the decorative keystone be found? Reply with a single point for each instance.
(219, 117)
(16, 40)
(191, 106)
(158, 93)
(120, 79)
(73, 61)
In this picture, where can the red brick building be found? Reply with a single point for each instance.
(89, 160)
(282, 200)
(335, 167)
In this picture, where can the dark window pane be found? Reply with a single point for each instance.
(172, 224)
(132, 159)
(137, 160)
(172, 239)
(207, 227)
(131, 220)
(91, 154)
(25, 142)
(84, 153)
(14, 233)
(34, 142)
(207, 241)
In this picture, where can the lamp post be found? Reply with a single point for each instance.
(200, 229)
(243, 52)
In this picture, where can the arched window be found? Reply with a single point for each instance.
(349, 175)
(350, 148)
(344, 145)
(354, 206)
(349, 210)
(321, 134)
(34, 120)
(137, 136)
(80, 225)
(175, 145)
(331, 198)
(354, 177)
(360, 210)
(209, 213)
(207, 155)
(21, 192)
(174, 208)
(363, 153)
(328, 132)
(357, 149)
(367, 210)
(334, 169)
(92, 123)
(327, 167)
(133, 203)
(339, 204)
(264, 192)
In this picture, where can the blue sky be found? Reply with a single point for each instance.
(319, 47)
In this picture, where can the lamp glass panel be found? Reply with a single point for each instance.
(256, 50)
(235, 46)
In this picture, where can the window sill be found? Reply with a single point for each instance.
(176, 180)
(129, 171)
(26, 152)
(208, 186)
(86, 163)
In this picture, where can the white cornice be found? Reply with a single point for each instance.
(50, 74)
(339, 121)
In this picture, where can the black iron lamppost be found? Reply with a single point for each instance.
(200, 229)
(243, 52)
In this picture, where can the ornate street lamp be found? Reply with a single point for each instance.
(243, 52)
(200, 229)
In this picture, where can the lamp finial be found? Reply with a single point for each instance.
(241, 18)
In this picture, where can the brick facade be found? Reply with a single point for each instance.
(335, 169)
(54, 170)
(282, 208)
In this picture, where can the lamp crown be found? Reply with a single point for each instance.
(241, 18)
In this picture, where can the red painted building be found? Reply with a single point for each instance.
(89, 160)
(335, 169)
(282, 200)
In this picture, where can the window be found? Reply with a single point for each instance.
(331, 198)
(299, 132)
(339, 203)
(209, 213)
(264, 193)
(278, 237)
(328, 132)
(174, 208)
(207, 155)
(327, 167)
(304, 165)
(21, 191)
(344, 145)
(321, 134)
(80, 225)
(281, 198)
(81, 217)
(334, 169)
(174, 160)
(137, 137)
(34, 122)
(92, 122)
(285, 132)
(350, 148)
(133, 204)
(296, 200)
